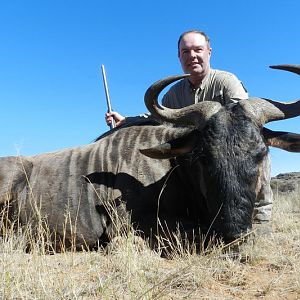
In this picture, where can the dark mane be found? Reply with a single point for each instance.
(130, 121)
(233, 149)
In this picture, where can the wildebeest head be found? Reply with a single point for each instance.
(227, 146)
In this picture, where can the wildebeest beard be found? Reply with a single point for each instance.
(228, 155)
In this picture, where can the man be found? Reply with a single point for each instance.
(206, 84)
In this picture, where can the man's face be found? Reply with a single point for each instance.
(194, 54)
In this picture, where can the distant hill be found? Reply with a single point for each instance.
(286, 182)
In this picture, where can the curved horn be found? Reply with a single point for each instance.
(196, 114)
(266, 110)
(290, 68)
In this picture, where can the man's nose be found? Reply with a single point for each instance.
(193, 53)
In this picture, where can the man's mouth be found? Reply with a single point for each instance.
(194, 64)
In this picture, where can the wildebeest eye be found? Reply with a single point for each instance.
(199, 150)
(198, 153)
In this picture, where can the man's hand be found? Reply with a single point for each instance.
(119, 119)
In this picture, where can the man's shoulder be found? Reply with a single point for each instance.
(229, 83)
(221, 74)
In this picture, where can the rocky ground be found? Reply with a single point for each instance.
(286, 183)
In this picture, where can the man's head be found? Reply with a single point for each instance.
(194, 53)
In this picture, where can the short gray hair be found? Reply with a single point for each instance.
(194, 31)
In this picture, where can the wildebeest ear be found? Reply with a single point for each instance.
(284, 140)
(173, 148)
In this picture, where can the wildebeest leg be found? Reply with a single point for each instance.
(14, 174)
(114, 219)
(103, 213)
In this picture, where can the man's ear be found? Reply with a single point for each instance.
(284, 140)
(173, 148)
(210, 52)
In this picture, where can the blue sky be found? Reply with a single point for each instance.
(51, 89)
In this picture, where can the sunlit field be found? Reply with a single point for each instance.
(265, 267)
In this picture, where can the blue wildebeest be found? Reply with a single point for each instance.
(199, 167)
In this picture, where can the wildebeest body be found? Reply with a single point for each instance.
(200, 169)
(59, 182)
(58, 185)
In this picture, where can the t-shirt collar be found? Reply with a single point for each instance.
(202, 84)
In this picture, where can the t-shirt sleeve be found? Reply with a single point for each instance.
(233, 89)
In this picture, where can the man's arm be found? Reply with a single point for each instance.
(121, 120)
(109, 116)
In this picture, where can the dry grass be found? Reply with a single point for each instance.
(267, 267)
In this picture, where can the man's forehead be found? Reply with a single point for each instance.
(192, 39)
